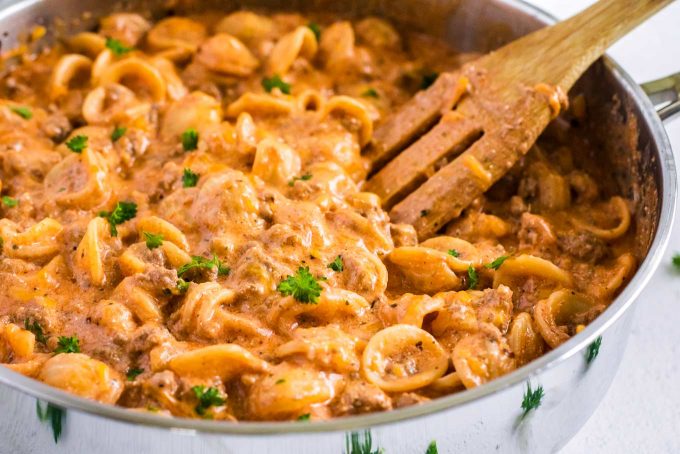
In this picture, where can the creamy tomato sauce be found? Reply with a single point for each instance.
(184, 228)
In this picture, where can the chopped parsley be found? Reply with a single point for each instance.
(189, 178)
(360, 443)
(337, 264)
(153, 240)
(117, 47)
(432, 448)
(270, 83)
(305, 177)
(182, 285)
(77, 144)
(68, 345)
(9, 202)
(453, 253)
(280, 381)
(55, 415)
(133, 373)
(676, 261)
(424, 213)
(302, 286)
(117, 133)
(496, 263)
(206, 398)
(305, 417)
(593, 350)
(532, 399)
(428, 79)
(198, 262)
(316, 29)
(190, 139)
(36, 329)
(23, 112)
(473, 279)
(124, 211)
(370, 93)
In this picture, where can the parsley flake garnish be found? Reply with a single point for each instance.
(496, 263)
(189, 178)
(360, 443)
(305, 417)
(370, 93)
(676, 261)
(77, 144)
(432, 448)
(428, 79)
(117, 133)
(206, 398)
(23, 112)
(270, 83)
(453, 253)
(124, 211)
(532, 399)
(473, 279)
(36, 329)
(117, 47)
(305, 177)
(9, 202)
(316, 29)
(55, 415)
(182, 285)
(68, 345)
(337, 265)
(198, 261)
(280, 381)
(593, 350)
(153, 240)
(133, 373)
(302, 286)
(190, 139)
(424, 213)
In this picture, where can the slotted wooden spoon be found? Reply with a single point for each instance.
(468, 129)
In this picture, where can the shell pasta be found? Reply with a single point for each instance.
(185, 226)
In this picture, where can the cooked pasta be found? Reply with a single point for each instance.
(184, 215)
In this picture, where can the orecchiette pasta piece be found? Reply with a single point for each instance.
(607, 280)
(554, 192)
(337, 47)
(89, 256)
(174, 86)
(203, 314)
(79, 374)
(79, 180)
(447, 384)
(364, 273)
(88, 43)
(223, 360)
(195, 110)
(176, 32)
(300, 43)
(427, 270)
(114, 316)
(403, 358)
(328, 347)
(223, 53)
(290, 391)
(310, 100)
(113, 104)
(276, 163)
(246, 134)
(101, 63)
(412, 309)
(353, 110)
(457, 315)
(524, 339)
(460, 253)
(529, 265)
(138, 257)
(263, 104)
(129, 28)
(616, 209)
(482, 357)
(558, 316)
(159, 226)
(246, 26)
(68, 68)
(495, 307)
(146, 79)
(40, 241)
(21, 342)
(378, 33)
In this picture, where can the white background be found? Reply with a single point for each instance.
(641, 411)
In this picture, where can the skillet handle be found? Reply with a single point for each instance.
(665, 95)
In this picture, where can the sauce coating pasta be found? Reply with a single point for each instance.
(184, 228)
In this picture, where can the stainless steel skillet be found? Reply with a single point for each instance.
(486, 419)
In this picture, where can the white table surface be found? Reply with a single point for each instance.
(641, 411)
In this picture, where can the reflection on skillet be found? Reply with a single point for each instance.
(183, 227)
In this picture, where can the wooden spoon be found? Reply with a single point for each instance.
(468, 129)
